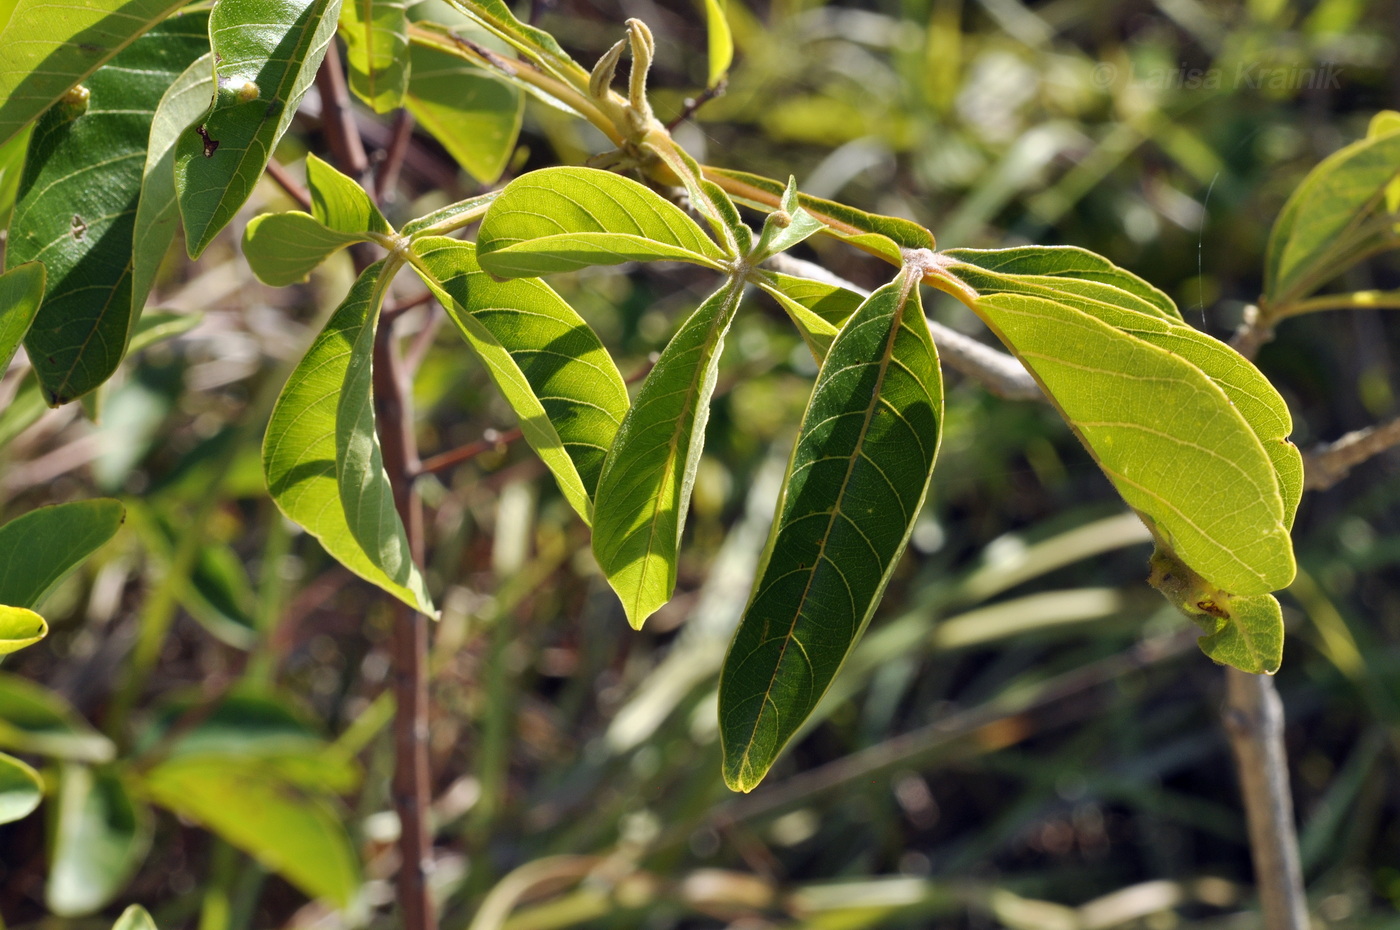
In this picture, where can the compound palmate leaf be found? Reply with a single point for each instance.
(644, 490)
(266, 54)
(563, 219)
(855, 484)
(301, 453)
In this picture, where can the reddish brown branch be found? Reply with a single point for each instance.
(337, 120)
(288, 184)
(387, 175)
(1326, 464)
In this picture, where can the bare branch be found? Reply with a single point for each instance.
(337, 119)
(288, 184)
(1326, 464)
(387, 176)
(997, 371)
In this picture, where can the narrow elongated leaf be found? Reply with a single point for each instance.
(549, 365)
(76, 213)
(818, 310)
(51, 47)
(886, 236)
(300, 450)
(536, 44)
(100, 835)
(1319, 225)
(563, 219)
(1383, 124)
(21, 291)
(297, 833)
(1071, 270)
(157, 214)
(134, 917)
(453, 216)
(266, 58)
(21, 789)
(20, 627)
(160, 325)
(475, 116)
(644, 489)
(376, 50)
(721, 42)
(36, 720)
(1167, 436)
(11, 165)
(855, 484)
(42, 547)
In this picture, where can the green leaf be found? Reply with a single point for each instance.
(42, 547)
(451, 217)
(1252, 640)
(157, 213)
(376, 50)
(785, 227)
(1383, 124)
(36, 720)
(100, 836)
(1167, 436)
(1128, 304)
(886, 236)
(644, 489)
(134, 917)
(159, 325)
(20, 627)
(549, 365)
(21, 291)
(49, 48)
(475, 116)
(283, 248)
(721, 42)
(563, 219)
(11, 166)
(267, 55)
(77, 213)
(1332, 217)
(536, 44)
(298, 833)
(21, 789)
(817, 310)
(339, 203)
(855, 484)
(300, 449)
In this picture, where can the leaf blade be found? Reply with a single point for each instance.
(21, 292)
(376, 47)
(21, 789)
(476, 117)
(44, 546)
(100, 835)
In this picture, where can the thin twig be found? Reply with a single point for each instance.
(337, 119)
(1254, 721)
(693, 104)
(387, 176)
(288, 184)
(1254, 330)
(997, 371)
(489, 442)
(398, 308)
(1326, 464)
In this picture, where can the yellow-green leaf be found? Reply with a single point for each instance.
(475, 116)
(21, 789)
(376, 50)
(20, 627)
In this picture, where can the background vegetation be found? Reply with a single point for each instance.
(1027, 736)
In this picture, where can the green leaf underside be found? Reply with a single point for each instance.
(41, 548)
(855, 484)
(134, 917)
(866, 230)
(76, 212)
(20, 627)
(284, 248)
(1166, 435)
(100, 836)
(296, 833)
(267, 55)
(644, 489)
(11, 166)
(475, 116)
(547, 362)
(376, 50)
(339, 203)
(1383, 124)
(1079, 267)
(21, 291)
(1246, 387)
(21, 789)
(720, 41)
(300, 452)
(49, 47)
(537, 44)
(463, 211)
(36, 720)
(817, 309)
(158, 214)
(1332, 204)
(1252, 639)
(563, 219)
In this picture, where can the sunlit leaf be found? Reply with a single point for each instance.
(644, 489)
(266, 57)
(721, 42)
(160, 325)
(562, 219)
(855, 484)
(296, 832)
(157, 214)
(21, 291)
(339, 203)
(475, 116)
(817, 309)
(536, 44)
(77, 213)
(547, 362)
(1244, 632)
(100, 835)
(283, 248)
(11, 166)
(134, 917)
(376, 50)
(41, 548)
(50, 47)
(1383, 124)
(36, 720)
(21, 789)
(20, 627)
(300, 452)
(453, 216)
